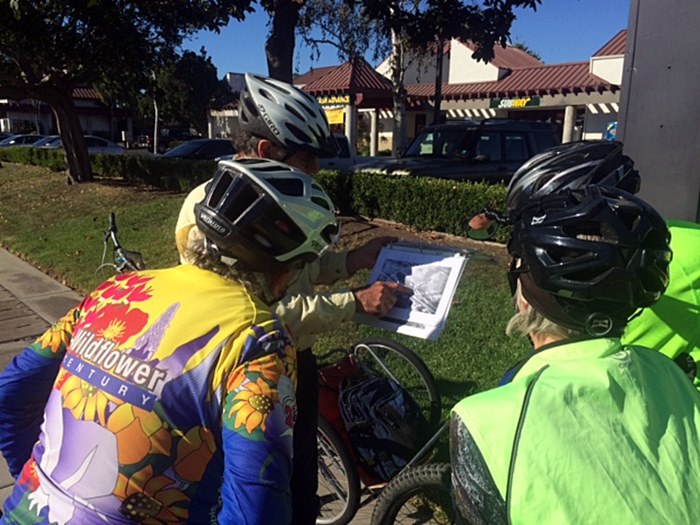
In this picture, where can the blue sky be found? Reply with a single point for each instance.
(559, 31)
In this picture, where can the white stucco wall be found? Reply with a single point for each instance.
(463, 68)
(608, 68)
(418, 71)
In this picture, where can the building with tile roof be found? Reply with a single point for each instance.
(581, 98)
(96, 118)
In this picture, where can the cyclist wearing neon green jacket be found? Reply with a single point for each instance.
(168, 396)
(672, 324)
(588, 430)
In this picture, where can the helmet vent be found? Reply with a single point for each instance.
(294, 112)
(291, 187)
(250, 107)
(299, 134)
(269, 96)
(322, 203)
(310, 111)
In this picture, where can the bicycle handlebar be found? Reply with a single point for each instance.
(125, 259)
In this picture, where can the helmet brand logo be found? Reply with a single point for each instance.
(599, 324)
(268, 120)
(538, 220)
(212, 223)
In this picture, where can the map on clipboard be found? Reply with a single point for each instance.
(433, 274)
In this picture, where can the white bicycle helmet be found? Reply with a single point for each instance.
(266, 215)
(285, 115)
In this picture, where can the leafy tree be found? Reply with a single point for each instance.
(48, 48)
(187, 87)
(523, 47)
(418, 25)
(342, 26)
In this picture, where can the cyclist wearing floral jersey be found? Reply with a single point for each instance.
(280, 122)
(167, 396)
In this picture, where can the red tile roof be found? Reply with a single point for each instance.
(312, 74)
(85, 93)
(351, 77)
(616, 45)
(509, 57)
(542, 80)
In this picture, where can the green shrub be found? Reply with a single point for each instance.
(422, 202)
(48, 158)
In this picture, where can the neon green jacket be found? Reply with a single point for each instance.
(672, 324)
(587, 432)
(304, 312)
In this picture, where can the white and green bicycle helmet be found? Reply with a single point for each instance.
(266, 215)
(285, 115)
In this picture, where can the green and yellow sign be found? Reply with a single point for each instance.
(514, 103)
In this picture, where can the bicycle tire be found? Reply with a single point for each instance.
(419, 382)
(338, 479)
(418, 495)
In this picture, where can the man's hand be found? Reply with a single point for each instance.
(379, 298)
(366, 256)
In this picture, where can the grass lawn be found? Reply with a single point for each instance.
(58, 228)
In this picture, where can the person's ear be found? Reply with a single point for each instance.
(523, 305)
(267, 150)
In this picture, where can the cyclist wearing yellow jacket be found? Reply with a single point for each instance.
(167, 396)
(280, 122)
(588, 430)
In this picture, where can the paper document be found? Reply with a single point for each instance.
(432, 273)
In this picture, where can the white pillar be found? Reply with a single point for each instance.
(351, 126)
(569, 121)
(373, 133)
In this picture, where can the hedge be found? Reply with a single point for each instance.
(421, 202)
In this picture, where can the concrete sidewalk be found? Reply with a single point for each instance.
(29, 303)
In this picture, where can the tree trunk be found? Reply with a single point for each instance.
(77, 158)
(437, 116)
(399, 134)
(279, 47)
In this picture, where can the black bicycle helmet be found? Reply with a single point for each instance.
(571, 166)
(589, 258)
(266, 215)
(285, 115)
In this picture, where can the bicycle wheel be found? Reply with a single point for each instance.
(338, 481)
(417, 495)
(401, 364)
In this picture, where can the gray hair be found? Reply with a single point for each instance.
(528, 321)
(200, 254)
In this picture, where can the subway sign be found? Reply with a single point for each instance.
(514, 103)
(335, 100)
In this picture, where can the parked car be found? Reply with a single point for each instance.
(490, 150)
(202, 149)
(345, 159)
(41, 142)
(4, 135)
(94, 145)
(20, 140)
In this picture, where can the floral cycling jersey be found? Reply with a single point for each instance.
(167, 397)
